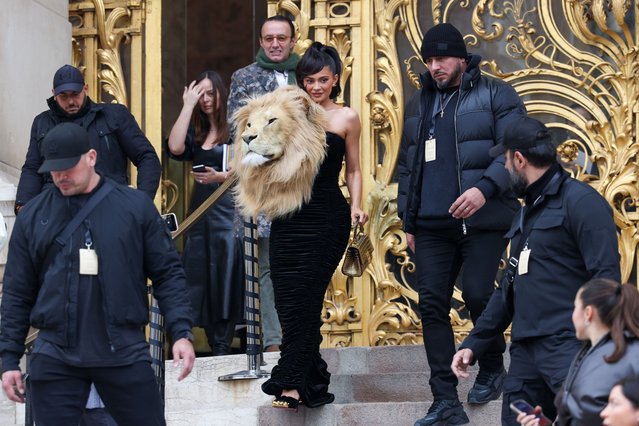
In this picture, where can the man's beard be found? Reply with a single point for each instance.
(454, 77)
(518, 183)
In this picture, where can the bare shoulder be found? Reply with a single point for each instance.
(350, 114)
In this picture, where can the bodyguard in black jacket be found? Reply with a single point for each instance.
(455, 206)
(114, 134)
(562, 237)
(88, 296)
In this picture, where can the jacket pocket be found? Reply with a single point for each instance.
(546, 239)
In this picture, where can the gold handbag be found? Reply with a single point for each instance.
(358, 253)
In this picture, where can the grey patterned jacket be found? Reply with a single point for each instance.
(249, 82)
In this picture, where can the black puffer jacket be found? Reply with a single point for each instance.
(113, 133)
(484, 109)
(132, 244)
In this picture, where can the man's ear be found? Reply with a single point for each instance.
(519, 159)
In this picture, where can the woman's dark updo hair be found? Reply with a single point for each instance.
(630, 389)
(314, 60)
(618, 308)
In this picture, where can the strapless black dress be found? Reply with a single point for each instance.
(305, 250)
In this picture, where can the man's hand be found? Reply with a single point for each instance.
(467, 204)
(410, 241)
(13, 385)
(461, 361)
(183, 351)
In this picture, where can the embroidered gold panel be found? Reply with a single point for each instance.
(574, 63)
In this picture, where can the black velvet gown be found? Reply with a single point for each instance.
(305, 250)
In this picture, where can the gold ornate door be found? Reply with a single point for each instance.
(116, 43)
(574, 62)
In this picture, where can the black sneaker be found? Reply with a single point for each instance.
(444, 412)
(487, 386)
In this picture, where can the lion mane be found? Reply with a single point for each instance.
(280, 144)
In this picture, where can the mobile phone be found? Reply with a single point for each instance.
(520, 406)
(200, 168)
(171, 221)
(25, 376)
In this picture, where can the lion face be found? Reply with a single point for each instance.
(280, 143)
(265, 136)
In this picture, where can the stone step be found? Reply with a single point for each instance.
(377, 413)
(372, 386)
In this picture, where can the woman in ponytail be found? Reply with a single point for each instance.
(606, 318)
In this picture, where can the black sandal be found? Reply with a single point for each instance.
(286, 403)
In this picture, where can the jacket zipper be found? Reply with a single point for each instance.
(464, 231)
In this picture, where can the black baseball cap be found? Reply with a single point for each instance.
(522, 134)
(67, 79)
(63, 146)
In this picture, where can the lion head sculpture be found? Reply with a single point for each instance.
(280, 144)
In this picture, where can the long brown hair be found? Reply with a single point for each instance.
(618, 308)
(200, 121)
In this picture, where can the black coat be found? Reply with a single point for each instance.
(113, 133)
(484, 108)
(132, 243)
(573, 240)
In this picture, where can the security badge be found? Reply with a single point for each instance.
(524, 257)
(88, 260)
(430, 151)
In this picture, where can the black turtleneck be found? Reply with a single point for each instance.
(535, 189)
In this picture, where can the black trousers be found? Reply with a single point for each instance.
(440, 254)
(538, 368)
(59, 392)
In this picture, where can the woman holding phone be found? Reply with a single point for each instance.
(606, 318)
(213, 257)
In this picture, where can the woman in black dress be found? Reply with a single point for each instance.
(213, 257)
(306, 247)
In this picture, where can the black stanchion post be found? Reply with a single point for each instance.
(157, 340)
(252, 309)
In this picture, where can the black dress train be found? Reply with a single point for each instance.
(305, 250)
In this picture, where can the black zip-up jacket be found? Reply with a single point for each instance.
(113, 133)
(572, 240)
(484, 108)
(132, 244)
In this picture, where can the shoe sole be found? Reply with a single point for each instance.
(454, 420)
(492, 397)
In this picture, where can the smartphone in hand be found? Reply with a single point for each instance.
(171, 221)
(200, 168)
(520, 406)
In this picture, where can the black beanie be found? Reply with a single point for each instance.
(443, 40)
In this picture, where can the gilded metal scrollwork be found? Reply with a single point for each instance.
(111, 27)
(575, 63)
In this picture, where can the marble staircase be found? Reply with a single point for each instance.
(372, 386)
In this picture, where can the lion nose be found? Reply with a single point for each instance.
(248, 138)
